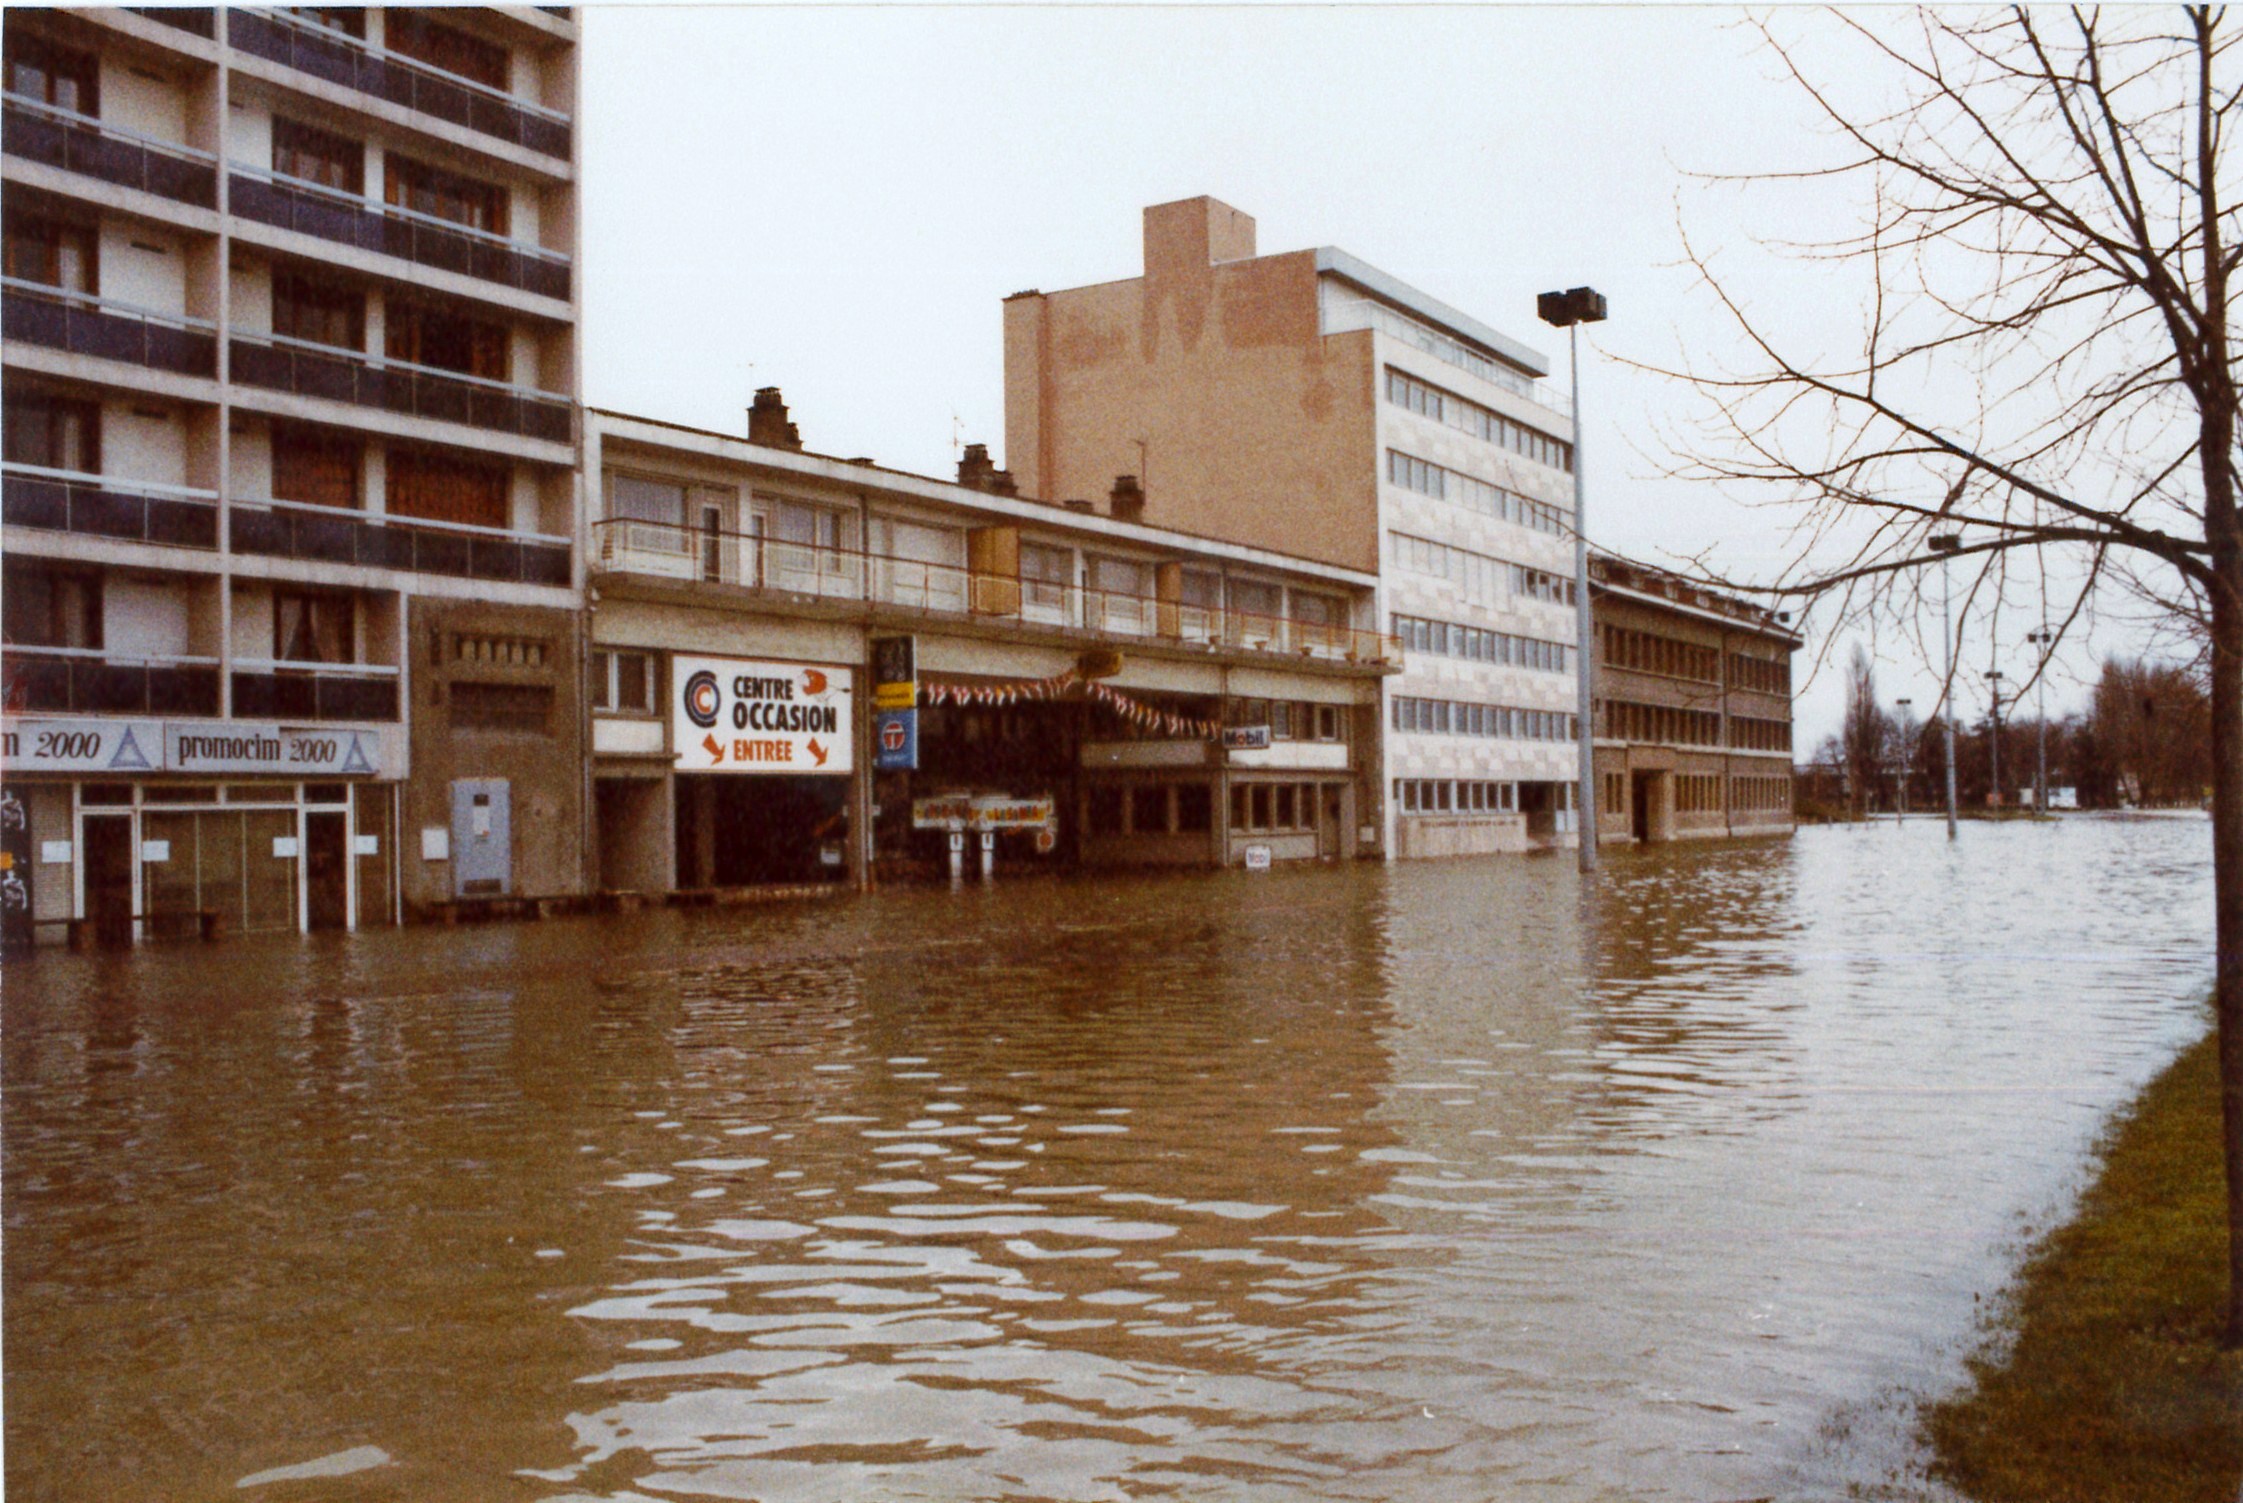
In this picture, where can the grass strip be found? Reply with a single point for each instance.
(2111, 1384)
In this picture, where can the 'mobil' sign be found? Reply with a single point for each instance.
(735, 715)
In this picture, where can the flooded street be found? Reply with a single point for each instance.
(1432, 1181)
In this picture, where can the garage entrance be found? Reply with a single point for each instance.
(750, 831)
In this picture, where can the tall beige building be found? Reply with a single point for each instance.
(1310, 403)
(290, 494)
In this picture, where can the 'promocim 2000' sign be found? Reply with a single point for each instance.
(738, 715)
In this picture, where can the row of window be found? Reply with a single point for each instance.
(1766, 675)
(1449, 717)
(1625, 720)
(1760, 793)
(1290, 720)
(1448, 639)
(1697, 793)
(1700, 793)
(319, 309)
(410, 33)
(1748, 734)
(1426, 400)
(1273, 808)
(50, 606)
(1650, 652)
(1541, 584)
(337, 162)
(1150, 809)
(1430, 479)
(1448, 795)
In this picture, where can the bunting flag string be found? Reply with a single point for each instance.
(1061, 685)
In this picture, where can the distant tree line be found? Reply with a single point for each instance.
(2145, 741)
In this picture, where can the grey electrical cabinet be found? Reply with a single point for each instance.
(482, 838)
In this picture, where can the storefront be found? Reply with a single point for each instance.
(144, 829)
(764, 756)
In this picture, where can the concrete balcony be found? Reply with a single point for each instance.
(82, 681)
(299, 368)
(351, 64)
(385, 229)
(274, 689)
(281, 529)
(36, 314)
(80, 144)
(195, 20)
(98, 506)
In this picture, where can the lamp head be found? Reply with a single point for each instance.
(1576, 305)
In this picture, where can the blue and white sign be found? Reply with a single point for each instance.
(895, 740)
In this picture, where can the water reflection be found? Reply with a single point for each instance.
(1352, 1183)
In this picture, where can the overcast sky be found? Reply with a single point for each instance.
(836, 201)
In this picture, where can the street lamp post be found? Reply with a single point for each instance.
(1908, 757)
(1569, 310)
(2045, 640)
(1945, 544)
(1994, 689)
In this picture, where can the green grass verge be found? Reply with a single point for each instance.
(2112, 1385)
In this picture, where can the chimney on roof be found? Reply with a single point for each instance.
(1078, 506)
(767, 421)
(976, 469)
(1127, 500)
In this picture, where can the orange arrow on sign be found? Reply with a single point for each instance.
(714, 748)
(819, 752)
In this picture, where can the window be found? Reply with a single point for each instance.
(522, 708)
(1426, 400)
(639, 500)
(311, 628)
(1281, 720)
(49, 252)
(350, 20)
(811, 526)
(51, 607)
(437, 337)
(1260, 808)
(1429, 479)
(623, 682)
(57, 76)
(1329, 723)
(1148, 809)
(312, 155)
(321, 312)
(411, 33)
(444, 195)
(1195, 808)
(1256, 598)
(1106, 809)
(1121, 576)
(441, 489)
(1200, 590)
(1045, 574)
(55, 433)
(1311, 609)
(315, 467)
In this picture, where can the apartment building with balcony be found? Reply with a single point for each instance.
(1311, 404)
(289, 359)
(1076, 670)
(1691, 709)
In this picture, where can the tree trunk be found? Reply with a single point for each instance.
(2227, 920)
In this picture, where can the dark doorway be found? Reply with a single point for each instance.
(1641, 787)
(748, 831)
(109, 878)
(327, 870)
(1328, 822)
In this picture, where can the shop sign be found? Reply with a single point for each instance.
(1257, 858)
(1246, 738)
(998, 812)
(736, 715)
(895, 673)
(895, 740)
(82, 745)
(950, 811)
(230, 746)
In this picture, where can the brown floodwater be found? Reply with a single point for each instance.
(1445, 1180)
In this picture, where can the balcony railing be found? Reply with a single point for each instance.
(388, 229)
(670, 551)
(284, 529)
(279, 690)
(303, 369)
(95, 506)
(345, 60)
(198, 19)
(77, 143)
(84, 325)
(83, 680)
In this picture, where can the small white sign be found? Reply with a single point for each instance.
(155, 851)
(479, 820)
(436, 843)
(366, 845)
(1257, 858)
(284, 847)
(55, 852)
(957, 840)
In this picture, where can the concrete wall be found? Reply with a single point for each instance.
(1257, 428)
(546, 771)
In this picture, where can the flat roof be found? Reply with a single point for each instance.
(736, 449)
(1332, 261)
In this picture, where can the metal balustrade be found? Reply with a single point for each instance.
(340, 59)
(39, 132)
(282, 529)
(303, 369)
(200, 20)
(82, 680)
(277, 690)
(664, 550)
(86, 325)
(96, 506)
(387, 229)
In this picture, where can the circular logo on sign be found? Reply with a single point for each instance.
(703, 699)
(891, 736)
